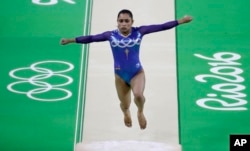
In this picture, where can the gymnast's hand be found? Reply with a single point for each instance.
(185, 19)
(65, 41)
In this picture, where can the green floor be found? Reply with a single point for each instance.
(42, 82)
(213, 55)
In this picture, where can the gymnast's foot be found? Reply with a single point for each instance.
(142, 120)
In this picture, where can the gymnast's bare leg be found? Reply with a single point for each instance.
(138, 86)
(124, 94)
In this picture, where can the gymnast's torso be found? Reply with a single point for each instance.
(126, 49)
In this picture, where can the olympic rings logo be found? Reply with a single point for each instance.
(128, 42)
(40, 80)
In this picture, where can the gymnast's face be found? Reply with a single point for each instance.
(124, 22)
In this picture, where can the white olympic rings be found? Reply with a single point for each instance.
(126, 42)
(38, 80)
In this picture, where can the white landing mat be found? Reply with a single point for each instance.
(128, 145)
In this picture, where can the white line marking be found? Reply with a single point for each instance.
(70, 1)
(82, 90)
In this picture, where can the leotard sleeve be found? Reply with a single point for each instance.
(159, 27)
(93, 38)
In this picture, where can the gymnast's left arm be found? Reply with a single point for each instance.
(165, 26)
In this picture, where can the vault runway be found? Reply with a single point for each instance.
(103, 122)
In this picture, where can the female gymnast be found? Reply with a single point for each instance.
(129, 74)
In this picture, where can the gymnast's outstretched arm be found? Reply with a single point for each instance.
(87, 39)
(165, 26)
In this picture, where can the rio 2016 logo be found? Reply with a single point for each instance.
(51, 2)
(229, 94)
(42, 81)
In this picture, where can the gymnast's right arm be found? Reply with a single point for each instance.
(87, 39)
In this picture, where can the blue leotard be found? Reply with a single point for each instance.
(126, 48)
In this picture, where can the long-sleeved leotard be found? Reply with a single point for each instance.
(126, 48)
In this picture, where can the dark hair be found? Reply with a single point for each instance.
(125, 11)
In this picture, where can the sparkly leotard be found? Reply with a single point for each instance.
(126, 48)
